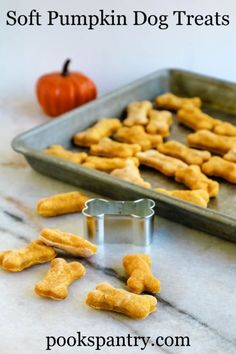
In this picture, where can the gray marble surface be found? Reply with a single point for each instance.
(197, 271)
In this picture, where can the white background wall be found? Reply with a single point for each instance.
(113, 56)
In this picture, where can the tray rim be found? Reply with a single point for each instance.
(19, 146)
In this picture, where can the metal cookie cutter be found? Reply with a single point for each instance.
(119, 221)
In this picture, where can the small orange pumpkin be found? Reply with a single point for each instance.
(58, 92)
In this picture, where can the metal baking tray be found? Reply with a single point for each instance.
(219, 99)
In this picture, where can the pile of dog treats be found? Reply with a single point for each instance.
(61, 273)
(119, 147)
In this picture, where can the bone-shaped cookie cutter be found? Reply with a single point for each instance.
(119, 221)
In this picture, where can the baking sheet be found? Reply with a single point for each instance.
(219, 99)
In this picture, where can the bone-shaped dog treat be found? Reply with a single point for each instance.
(205, 139)
(131, 174)
(137, 135)
(184, 153)
(225, 128)
(219, 167)
(103, 128)
(108, 164)
(195, 119)
(58, 278)
(159, 122)
(34, 253)
(138, 267)
(231, 155)
(61, 204)
(59, 151)
(137, 113)
(68, 242)
(105, 297)
(199, 197)
(172, 102)
(110, 148)
(165, 164)
(194, 179)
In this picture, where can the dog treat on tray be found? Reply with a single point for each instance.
(165, 164)
(225, 128)
(231, 155)
(68, 242)
(59, 204)
(219, 167)
(131, 174)
(110, 148)
(103, 128)
(195, 119)
(193, 178)
(159, 122)
(34, 253)
(190, 156)
(106, 297)
(108, 164)
(137, 135)
(172, 102)
(58, 278)
(137, 113)
(59, 151)
(138, 268)
(204, 139)
(199, 197)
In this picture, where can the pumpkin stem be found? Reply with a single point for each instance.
(65, 70)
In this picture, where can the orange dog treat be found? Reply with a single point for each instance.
(172, 102)
(225, 128)
(205, 139)
(231, 155)
(159, 122)
(59, 151)
(61, 204)
(219, 167)
(68, 242)
(103, 128)
(34, 253)
(184, 153)
(131, 174)
(108, 164)
(137, 135)
(138, 267)
(199, 197)
(165, 164)
(195, 119)
(58, 278)
(194, 179)
(105, 297)
(137, 113)
(109, 148)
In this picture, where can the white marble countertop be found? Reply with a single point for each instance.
(197, 271)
